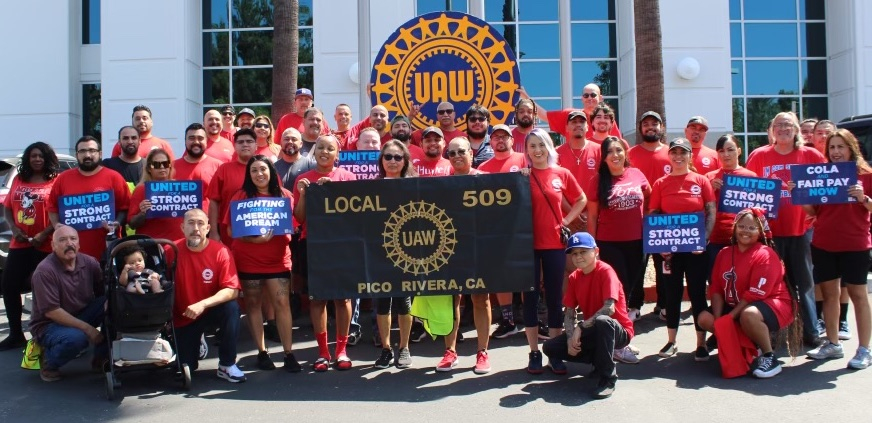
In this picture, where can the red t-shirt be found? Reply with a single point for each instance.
(583, 163)
(620, 215)
(156, 227)
(342, 136)
(203, 170)
(418, 136)
(755, 275)
(228, 134)
(266, 151)
(338, 174)
(514, 163)
(26, 201)
(705, 160)
(91, 241)
(768, 163)
(590, 291)
(843, 227)
(557, 122)
(686, 193)
(227, 180)
(557, 183)
(220, 149)
(200, 275)
(145, 147)
(653, 164)
(415, 153)
(723, 230)
(270, 257)
(293, 120)
(353, 134)
(426, 168)
(519, 140)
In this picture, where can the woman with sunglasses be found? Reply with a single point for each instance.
(550, 185)
(264, 265)
(158, 167)
(263, 128)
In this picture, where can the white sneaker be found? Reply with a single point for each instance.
(625, 355)
(862, 360)
(826, 352)
(231, 374)
(204, 347)
(634, 314)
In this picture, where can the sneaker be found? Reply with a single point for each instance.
(767, 366)
(712, 342)
(204, 347)
(384, 360)
(264, 362)
(814, 342)
(633, 349)
(861, 360)
(544, 333)
(12, 342)
(354, 337)
(449, 361)
(482, 363)
(844, 331)
(625, 355)
(404, 359)
(231, 374)
(634, 314)
(291, 364)
(49, 375)
(558, 367)
(668, 350)
(605, 388)
(418, 333)
(826, 352)
(534, 367)
(701, 354)
(821, 327)
(506, 329)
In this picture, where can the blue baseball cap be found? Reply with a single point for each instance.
(580, 240)
(304, 91)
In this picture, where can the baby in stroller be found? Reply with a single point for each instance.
(135, 276)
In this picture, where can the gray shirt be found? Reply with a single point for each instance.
(288, 172)
(55, 287)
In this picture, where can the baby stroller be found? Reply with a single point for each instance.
(140, 326)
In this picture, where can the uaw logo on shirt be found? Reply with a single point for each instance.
(446, 56)
(695, 189)
(208, 275)
(419, 237)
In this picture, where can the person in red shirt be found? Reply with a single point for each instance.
(25, 213)
(378, 119)
(158, 167)
(791, 229)
(263, 128)
(227, 180)
(579, 156)
(748, 285)
(264, 265)
(342, 116)
(616, 205)
(325, 152)
(705, 159)
(206, 288)
(590, 98)
(820, 133)
(729, 151)
(228, 115)
(806, 130)
(195, 164)
(594, 288)
(147, 142)
(505, 159)
(684, 191)
(550, 186)
(91, 177)
(217, 146)
(447, 117)
(303, 100)
(525, 118)
(401, 130)
(840, 252)
(432, 164)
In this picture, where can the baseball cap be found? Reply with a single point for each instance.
(432, 129)
(502, 127)
(246, 111)
(698, 120)
(228, 108)
(653, 114)
(680, 143)
(304, 91)
(399, 118)
(580, 240)
(576, 113)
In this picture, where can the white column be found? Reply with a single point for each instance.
(849, 50)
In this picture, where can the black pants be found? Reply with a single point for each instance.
(628, 260)
(20, 264)
(383, 305)
(694, 268)
(659, 279)
(224, 316)
(598, 344)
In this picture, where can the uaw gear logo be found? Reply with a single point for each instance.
(446, 56)
(419, 238)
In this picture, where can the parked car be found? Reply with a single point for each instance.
(8, 170)
(861, 127)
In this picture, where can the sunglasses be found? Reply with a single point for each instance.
(445, 111)
(588, 95)
(458, 152)
(227, 113)
(160, 165)
(394, 157)
(477, 119)
(261, 125)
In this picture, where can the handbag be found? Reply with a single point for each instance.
(564, 232)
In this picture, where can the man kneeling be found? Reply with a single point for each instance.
(596, 290)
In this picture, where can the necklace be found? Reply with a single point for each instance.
(578, 157)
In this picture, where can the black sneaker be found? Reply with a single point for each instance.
(385, 359)
(505, 329)
(605, 388)
(544, 333)
(271, 332)
(701, 354)
(264, 362)
(291, 364)
(767, 366)
(534, 366)
(13, 342)
(711, 343)
(418, 333)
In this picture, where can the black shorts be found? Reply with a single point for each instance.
(769, 316)
(849, 266)
(245, 276)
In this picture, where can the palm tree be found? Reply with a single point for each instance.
(649, 59)
(286, 43)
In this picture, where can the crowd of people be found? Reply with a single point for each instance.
(788, 278)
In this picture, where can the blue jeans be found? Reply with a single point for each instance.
(61, 344)
(224, 316)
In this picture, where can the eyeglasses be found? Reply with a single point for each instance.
(393, 157)
(477, 119)
(749, 228)
(88, 151)
(445, 111)
(160, 165)
(245, 141)
(261, 125)
(588, 95)
(458, 152)
(227, 113)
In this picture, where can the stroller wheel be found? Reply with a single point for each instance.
(110, 386)
(186, 377)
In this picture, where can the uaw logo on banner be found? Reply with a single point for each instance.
(420, 236)
(446, 56)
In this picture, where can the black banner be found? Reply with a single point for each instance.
(420, 236)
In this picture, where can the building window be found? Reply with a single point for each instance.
(427, 6)
(237, 53)
(90, 21)
(779, 63)
(91, 121)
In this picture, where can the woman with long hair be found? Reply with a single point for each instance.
(24, 209)
(158, 167)
(729, 151)
(264, 265)
(265, 146)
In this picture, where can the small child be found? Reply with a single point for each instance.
(136, 277)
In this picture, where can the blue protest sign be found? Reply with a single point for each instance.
(87, 211)
(673, 233)
(256, 216)
(741, 192)
(364, 164)
(825, 183)
(173, 198)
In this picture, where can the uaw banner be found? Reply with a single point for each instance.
(742, 192)
(673, 233)
(173, 198)
(87, 211)
(257, 216)
(364, 164)
(446, 56)
(825, 183)
(420, 236)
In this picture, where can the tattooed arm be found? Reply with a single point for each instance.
(607, 309)
(710, 210)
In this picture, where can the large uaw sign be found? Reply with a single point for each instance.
(446, 56)
(420, 236)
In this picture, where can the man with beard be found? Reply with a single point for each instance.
(705, 159)
(228, 116)
(401, 130)
(476, 130)
(217, 146)
(90, 177)
(291, 163)
(245, 118)
(143, 124)
(446, 115)
(433, 164)
(378, 119)
(303, 101)
(227, 180)
(602, 120)
(342, 116)
(195, 165)
(129, 164)
(505, 159)
(525, 117)
(314, 119)
(577, 155)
